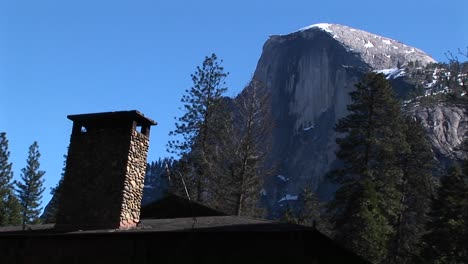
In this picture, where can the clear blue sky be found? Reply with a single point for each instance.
(70, 57)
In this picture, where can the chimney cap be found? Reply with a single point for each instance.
(114, 117)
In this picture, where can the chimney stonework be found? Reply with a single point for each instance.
(105, 171)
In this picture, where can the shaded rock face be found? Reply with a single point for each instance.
(310, 74)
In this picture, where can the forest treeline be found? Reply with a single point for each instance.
(20, 200)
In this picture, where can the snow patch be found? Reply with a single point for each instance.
(369, 44)
(410, 51)
(283, 178)
(392, 73)
(386, 71)
(288, 197)
(263, 192)
(322, 26)
(386, 41)
(149, 187)
(308, 128)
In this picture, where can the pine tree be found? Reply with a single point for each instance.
(202, 127)
(8, 212)
(311, 208)
(13, 210)
(159, 180)
(371, 238)
(416, 188)
(366, 203)
(290, 216)
(465, 149)
(29, 190)
(176, 173)
(50, 211)
(312, 212)
(447, 235)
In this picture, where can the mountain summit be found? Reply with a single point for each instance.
(309, 74)
(377, 51)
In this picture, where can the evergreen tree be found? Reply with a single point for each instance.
(176, 174)
(447, 235)
(13, 210)
(8, 212)
(199, 131)
(29, 190)
(416, 188)
(465, 149)
(50, 211)
(366, 203)
(159, 180)
(308, 213)
(370, 239)
(312, 212)
(311, 208)
(290, 216)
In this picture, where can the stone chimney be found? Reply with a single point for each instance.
(105, 171)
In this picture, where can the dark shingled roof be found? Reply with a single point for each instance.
(207, 239)
(214, 239)
(207, 223)
(174, 206)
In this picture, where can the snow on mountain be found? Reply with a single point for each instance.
(282, 177)
(288, 197)
(322, 26)
(392, 73)
(377, 51)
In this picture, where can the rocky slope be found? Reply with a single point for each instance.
(377, 51)
(446, 124)
(310, 74)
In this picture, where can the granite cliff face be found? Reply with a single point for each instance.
(310, 74)
(447, 126)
